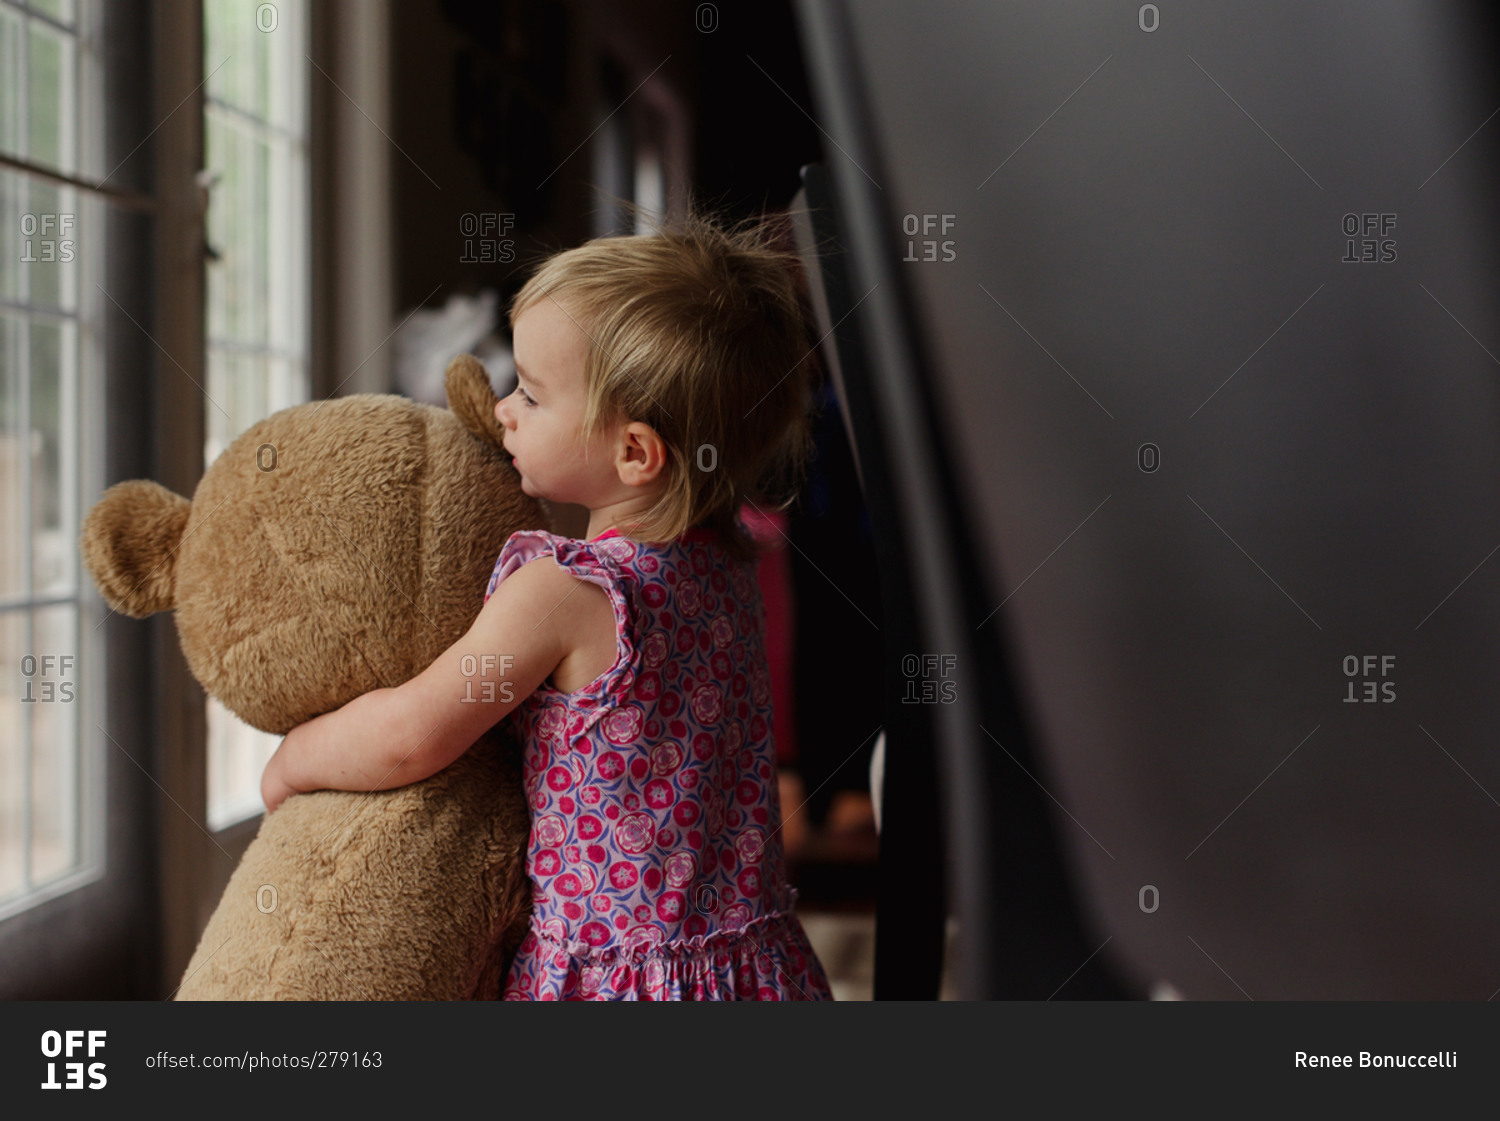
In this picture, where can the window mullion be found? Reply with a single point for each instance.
(23, 452)
(23, 99)
(28, 619)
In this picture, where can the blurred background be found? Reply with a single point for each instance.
(211, 211)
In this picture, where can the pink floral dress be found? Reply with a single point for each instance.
(655, 853)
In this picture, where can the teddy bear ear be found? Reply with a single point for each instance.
(472, 400)
(129, 543)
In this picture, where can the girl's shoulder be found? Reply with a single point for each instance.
(595, 561)
(526, 545)
(614, 546)
(616, 558)
(537, 542)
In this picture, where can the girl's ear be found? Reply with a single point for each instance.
(472, 399)
(644, 454)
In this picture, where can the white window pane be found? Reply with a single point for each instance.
(54, 456)
(12, 205)
(14, 451)
(230, 32)
(289, 71)
(239, 230)
(217, 227)
(12, 74)
(12, 759)
(51, 698)
(237, 755)
(48, 245)
(51, 114)
(218, 48)
(216, 430)
(286, 257)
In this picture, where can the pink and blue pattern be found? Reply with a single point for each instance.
(655, 854)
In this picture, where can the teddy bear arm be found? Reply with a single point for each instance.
(418, 893)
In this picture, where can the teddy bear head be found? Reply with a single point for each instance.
(333, 548)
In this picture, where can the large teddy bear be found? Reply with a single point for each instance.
(332, 549)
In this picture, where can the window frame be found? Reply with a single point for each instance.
(69, 314)
(91, 933)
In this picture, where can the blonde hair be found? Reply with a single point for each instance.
(702, 332)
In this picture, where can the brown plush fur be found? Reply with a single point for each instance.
(124, 552)
(335, 548)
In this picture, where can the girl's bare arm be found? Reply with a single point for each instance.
(391, 737)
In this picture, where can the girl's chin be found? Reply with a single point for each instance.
(528, 489)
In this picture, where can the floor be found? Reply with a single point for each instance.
(845, 944)
(833, 867)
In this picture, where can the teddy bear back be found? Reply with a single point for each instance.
(338, 547)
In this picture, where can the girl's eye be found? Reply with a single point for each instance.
(530, 403)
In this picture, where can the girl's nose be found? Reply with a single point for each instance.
(502, 414)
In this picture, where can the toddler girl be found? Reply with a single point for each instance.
(662, 381)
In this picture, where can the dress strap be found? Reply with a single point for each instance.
(600, 562)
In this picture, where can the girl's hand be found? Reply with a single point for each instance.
(274, 789)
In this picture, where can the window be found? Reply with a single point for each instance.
(650, 191)
(51, 251)
(255, 134)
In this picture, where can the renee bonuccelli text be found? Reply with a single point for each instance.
(1442, 1060)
